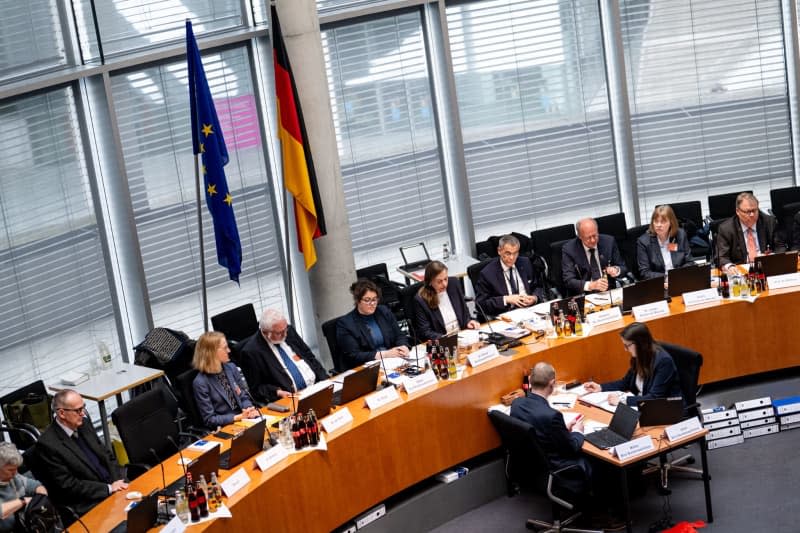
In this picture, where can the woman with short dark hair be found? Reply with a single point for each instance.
(663, 246)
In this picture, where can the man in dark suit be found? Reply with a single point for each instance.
(507, 283)
(276, 361)
(69, 459)
(586, 258)
(746, 235)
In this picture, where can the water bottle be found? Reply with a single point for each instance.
(105, 354)
(445, 252)
(181, 506)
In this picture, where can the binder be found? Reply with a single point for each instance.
(753, 404)
(724, 432)
(789, 419)
(787, 427)
(760, 431)
(728, 441)
(755, 413)
(721, 424)
(784, 406)
(758, 422)
(710, 415)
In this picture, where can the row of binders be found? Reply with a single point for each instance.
(750, 418)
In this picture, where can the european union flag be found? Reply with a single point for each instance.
(208, 142)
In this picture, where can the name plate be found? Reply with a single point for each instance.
(700, 297)
(340, 418)
(634, 447)
(381, 398)
(423, 381)
(605, 316)
(683, 429)
(487, 353)
(783, 281)
(271, 457)
(651, 310)
(235, 482)
(174, 526)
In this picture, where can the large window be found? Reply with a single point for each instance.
(55, 303)
(380, 94)
(152, 107)
(708, 98)
(30, 38)
(534, 112)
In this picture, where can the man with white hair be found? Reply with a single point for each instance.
(276, 361)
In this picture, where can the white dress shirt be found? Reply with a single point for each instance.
(302, 366)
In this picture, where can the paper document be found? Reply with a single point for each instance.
(590, 426)
(600, 399)
(570, 417)
(562, 401)
(502, 408)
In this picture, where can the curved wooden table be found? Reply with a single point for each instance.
(381, 453)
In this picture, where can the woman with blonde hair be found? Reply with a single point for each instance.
(219, 388)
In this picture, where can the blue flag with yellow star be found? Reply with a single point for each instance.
(208, 142)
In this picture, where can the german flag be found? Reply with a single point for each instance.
(299, 177)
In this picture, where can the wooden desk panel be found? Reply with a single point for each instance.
(382, 453)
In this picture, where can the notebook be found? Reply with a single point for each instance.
(620, 430)
(642, 292)
(776, 264)
(358, 383)
(689, 278)
(660, 411)
(246, 444)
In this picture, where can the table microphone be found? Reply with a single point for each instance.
(502, 342)
(163, 491)
(417, 370)
(386, 381)
(183, 461)
(163, 514)
(74, 515)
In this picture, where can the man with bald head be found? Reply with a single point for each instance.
(69, 459)
(586, 258)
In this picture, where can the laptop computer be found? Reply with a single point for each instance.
(202, 464)
(689, 278)
(321, 402)
(358, 383)
(248, 443)
(415, 257)
(776, 264)
(660, 411)
(620, 430)
(564, 305)
(642, 292)
(144, 515)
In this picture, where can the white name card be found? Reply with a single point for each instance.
(381, 398)
(651, 310)
(233, 484)
(683, 429)
(700, 297)
(634, 447)
(783, 281)
(423, 381)
(271, 457)
(487, 353)
(174, 526)
(340, 418)
(605, 316)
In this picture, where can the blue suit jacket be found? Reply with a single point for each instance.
(575, 269)
(213, 403)
(355, 340)
(664, 383)
(648, 254)
(429, 322)
(492, 285)
(562, 447)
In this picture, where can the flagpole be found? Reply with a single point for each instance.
(199, 198)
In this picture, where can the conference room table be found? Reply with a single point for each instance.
(384, 451)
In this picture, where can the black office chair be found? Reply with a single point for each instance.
(781, 198)
(28, 408)
(688, 363)
(474, 271)
(144, 423)
(407, 299)
(485, 250)
(790, 232)
(390, 290)
(722, 206)
(556, 276)
(185, 395)
(237, 324)
(527, 466)
(614, 225)
(542, 238)
(628, 249)
(165, 349)
(329, 330)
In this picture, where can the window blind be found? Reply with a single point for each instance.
(30, 38)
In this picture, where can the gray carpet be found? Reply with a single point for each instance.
(754, 486)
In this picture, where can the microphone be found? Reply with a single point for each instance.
(74, 515)
(163, 491)
(183, 461)
(502, 342)
(417, 370)
(386, 381)
(246, 389)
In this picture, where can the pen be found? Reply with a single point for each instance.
(561, 404)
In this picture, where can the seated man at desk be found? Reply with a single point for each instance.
(747, 234)
(507, 282)
(71, 462)
(276, 361)
(585, 260)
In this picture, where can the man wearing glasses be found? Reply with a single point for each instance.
(69, 459)
(507, 283)
(746, 235)
(276, 361)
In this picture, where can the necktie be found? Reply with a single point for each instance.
(297, 377)
(512, 280)
(594, 264)
(752, 250)
(94, 461)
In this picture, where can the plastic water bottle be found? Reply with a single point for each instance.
(105, 354)
(445, 252)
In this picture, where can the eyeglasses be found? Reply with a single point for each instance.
(369, 301)
(627, 345)
(749, 212)
(81, 409)
(278, 332)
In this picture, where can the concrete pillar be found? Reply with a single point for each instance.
(335, 268)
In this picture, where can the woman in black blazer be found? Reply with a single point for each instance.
(663, 246)
(369, 331)
(439, 306)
